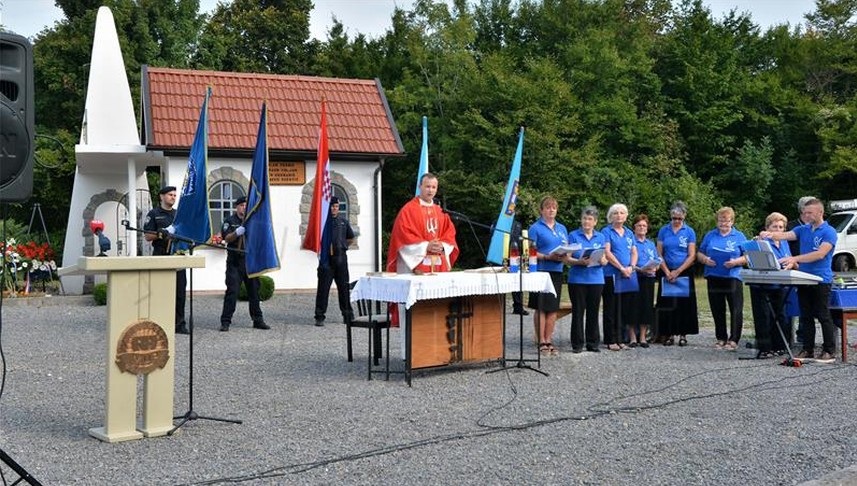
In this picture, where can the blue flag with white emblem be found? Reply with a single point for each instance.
(259, 240)
(507, 211)
(192, 220)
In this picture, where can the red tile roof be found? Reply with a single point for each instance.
(357, 114)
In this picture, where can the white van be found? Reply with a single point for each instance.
(844, 221)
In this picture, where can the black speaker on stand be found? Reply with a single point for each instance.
(17, 118)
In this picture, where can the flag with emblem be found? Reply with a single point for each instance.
(321, 194)
(507, 211)
(192, 221)
(259, 240)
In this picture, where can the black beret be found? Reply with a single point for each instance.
(167, 189)
(240, 200)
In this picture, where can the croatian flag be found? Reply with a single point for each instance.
(507, 211)
(321, 194)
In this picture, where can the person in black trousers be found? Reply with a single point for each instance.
(335, 266)
(236, 271)
(159, 227)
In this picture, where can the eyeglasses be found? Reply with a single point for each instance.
(675, 218)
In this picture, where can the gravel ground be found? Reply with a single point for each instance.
(663, 415)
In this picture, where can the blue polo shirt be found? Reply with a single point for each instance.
(620, 246)
(547, 239)
(722, 248)
(810, 240)
(675, 244)
(646, 251)
(578, 274)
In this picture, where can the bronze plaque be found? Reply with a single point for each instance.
(143, 348)
(286, 173)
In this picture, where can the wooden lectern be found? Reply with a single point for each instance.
(140, 340)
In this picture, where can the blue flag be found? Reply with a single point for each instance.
(192, 220)
(507, 211)
(259, 240)
(423, 156)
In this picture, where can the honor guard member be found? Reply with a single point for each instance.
(236, 271)
(159, 228)
(336, 267)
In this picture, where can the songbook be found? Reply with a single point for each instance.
(594, 255)
(622, 285)
(679, 288)
(651, 266)
(757, 245)
(719, 256)
(566, 249)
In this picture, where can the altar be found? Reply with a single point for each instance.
(452, 317)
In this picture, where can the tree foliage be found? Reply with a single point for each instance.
(635, 101)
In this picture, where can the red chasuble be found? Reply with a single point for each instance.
(414, 227)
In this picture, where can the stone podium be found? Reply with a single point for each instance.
(140, 340)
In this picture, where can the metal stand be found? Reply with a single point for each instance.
(22, 473)
(521, 364)
(191, 414)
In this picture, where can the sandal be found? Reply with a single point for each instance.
(545, 348)
(682, 342)
(731, 346)
(614, 347)
(720, 345)
(553, 350)
(669, 342)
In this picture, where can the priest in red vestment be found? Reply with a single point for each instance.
(423, 239)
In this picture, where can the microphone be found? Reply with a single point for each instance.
(125, 223)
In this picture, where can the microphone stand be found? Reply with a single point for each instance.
(190, 414)
(521, 363)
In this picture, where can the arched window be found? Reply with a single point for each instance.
(339, 191)
(221, 201)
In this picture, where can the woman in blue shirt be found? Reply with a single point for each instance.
(621, 257)
(769, 341)
(720, 253)
(546, 234)
(643, 313)
(677, 251)
(586, 281)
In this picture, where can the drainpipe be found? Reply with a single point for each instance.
(376, 188)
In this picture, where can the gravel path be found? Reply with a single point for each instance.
(663, 415)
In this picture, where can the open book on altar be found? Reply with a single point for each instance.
(566, 249)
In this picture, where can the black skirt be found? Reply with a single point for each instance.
(644, 302)
(677, 315)
(546, 302)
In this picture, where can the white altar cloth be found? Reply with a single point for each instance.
(407, 289)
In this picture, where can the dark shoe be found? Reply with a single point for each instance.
(633, 344)
(825, 357)
(224, 327)
(644, 345)
(182, 329)
(521, 312)
(593, 349)
(260, 325)
(669, 342)
(576, 350)
(682, 342)
(804, 354)
(319, 323)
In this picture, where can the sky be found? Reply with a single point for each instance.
(372, 17)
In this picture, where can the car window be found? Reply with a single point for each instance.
(840, 221)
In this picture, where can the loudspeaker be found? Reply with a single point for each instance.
(17, 118)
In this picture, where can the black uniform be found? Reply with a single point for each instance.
(336, 269)
(156, 220)
(236, 272)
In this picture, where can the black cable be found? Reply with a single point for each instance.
(491, 430)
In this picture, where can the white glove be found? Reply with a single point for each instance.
(170, 229)
(239, 231)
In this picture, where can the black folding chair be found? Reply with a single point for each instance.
(374, 316)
